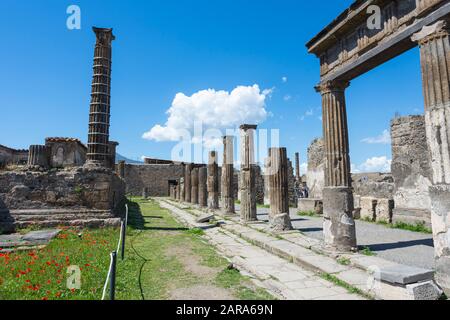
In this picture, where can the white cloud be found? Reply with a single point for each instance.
(284, 79)
(374, 164)
(308, 113)
(287, 97)
(211, 109)
(384, 138)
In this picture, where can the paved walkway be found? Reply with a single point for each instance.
(284, 279)
(400, 246)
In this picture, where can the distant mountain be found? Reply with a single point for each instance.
(120, 157)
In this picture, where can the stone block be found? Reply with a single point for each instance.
(368, 208)
(402, 274)
(205, 218)
(384, 210)
(310, 205)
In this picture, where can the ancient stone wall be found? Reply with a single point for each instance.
(315, 177)
(12, 156)
(410, 165)
(78, 188)
(155, 177)
(65, 152)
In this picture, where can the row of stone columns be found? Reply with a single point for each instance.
(339, 227)
(200, 185)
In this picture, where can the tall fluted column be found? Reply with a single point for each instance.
(434, 44)
(182, 194)
(194, 186)
(213, 181)
(228, 176)
(339, 226)
(248, 170)
(202, 187)
(38, 155)
(277, 173)
(187, 182)
(297, 167)
(99, 116)
(121, 169)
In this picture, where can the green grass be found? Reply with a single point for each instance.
(343, 261)
(237, 201)
(308, 214)
(351, 289)
(418, 227)
(263, 206)
(152, 269)
(367, 252)
(41, 274)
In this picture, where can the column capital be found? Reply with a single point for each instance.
(104, 35)
(246, 127)
(332, 86)
(428, 33)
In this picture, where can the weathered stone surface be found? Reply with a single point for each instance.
(205, 218)
(315, 177)
(187, 182)
(339, 226)
(213, 181)
(411, 168)
(310, 205)
(227, 177)
(248, 171)
(277, 173)
(434, 42)
(194, 186)
(384, 210)
(41, 236)
(402, 274)
(368, 208)
(154, 177)
(202, 187)
(99, 116)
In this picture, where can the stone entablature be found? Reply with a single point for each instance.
(347, 47)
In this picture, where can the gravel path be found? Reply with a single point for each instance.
(401, 246)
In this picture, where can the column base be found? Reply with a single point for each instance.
(281, 222)
(338, 226)
(440, 222)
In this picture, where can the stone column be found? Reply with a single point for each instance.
(194, 186)
(277, 173)
(213, 181)
(339, 226)
(182, 194)
(228, 176)
(121, 169)
(38, 156)
(297, 167)
(434, 44)
(248, 170)
(99, 116)
(187, 182)
(202, 187)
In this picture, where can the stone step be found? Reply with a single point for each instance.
(412, 216)
(65, 217)
(84, 223)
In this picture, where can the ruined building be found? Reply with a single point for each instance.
(55, 186)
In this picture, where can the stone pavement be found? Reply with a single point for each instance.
(283, 279)
(31, 240)
(400, 246)
(371, 275)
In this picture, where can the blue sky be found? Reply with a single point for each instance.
(167, 47)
